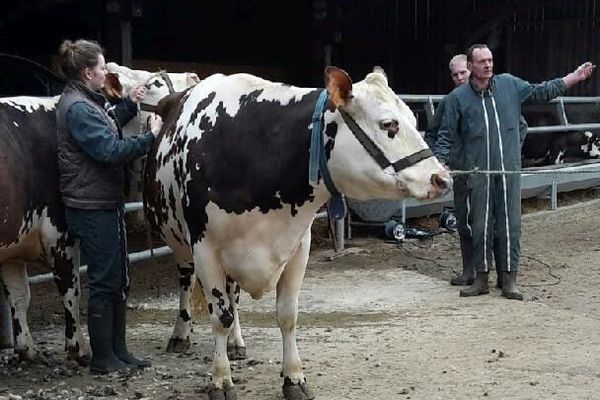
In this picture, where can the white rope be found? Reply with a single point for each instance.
(536, 172)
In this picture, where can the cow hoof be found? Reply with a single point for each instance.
(298, 391)
(178, 345)
(220, 394)
(83, 360)
(29, 355)
(236, 353)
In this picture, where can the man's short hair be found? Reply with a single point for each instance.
(459, 58)
(473, 48)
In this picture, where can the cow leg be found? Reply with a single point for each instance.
(236, 348)
(64, 257)
(220, 310)
(14, 276)
(180, 339)
(288, 289)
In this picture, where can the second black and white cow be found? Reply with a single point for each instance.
(560, 147)
(32, 225)
(227, 186)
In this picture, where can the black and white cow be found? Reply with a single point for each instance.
(227, 186)
(32, 225)
(560, 147)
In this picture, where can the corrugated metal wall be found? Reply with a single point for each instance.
(414, 39)
(553, 38)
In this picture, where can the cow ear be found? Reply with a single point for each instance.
(193, 78)
(112, 87)
(339, 85)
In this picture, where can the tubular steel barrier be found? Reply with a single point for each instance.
(166, 250)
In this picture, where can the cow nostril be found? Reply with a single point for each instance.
(440, 182)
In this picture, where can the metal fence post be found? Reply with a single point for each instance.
(339, 235)
(554, 193)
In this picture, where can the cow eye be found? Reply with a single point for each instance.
(389, 125)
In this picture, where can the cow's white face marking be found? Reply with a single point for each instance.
(156, 88)
(356, 172)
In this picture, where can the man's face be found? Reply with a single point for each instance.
(482, 65)
(459, 73)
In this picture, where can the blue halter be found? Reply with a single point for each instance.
(317, 162)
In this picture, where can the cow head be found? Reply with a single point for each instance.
(121, 79)
(391, 126)
(592, 145)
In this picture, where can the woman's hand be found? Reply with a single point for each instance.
(137, 93)
(156, 124)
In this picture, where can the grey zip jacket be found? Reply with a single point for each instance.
(481, 130)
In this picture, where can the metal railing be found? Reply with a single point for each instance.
(166, 250)
(428, 100)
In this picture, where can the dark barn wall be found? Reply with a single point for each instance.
(553, 38)
(292, 41)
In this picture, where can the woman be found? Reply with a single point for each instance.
(92, 154)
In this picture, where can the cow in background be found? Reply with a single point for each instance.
(560, 147)
(227, 187)
(32, 225)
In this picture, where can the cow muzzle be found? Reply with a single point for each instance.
(441, 183)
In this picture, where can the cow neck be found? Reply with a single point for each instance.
(376, 153)
(317, 162)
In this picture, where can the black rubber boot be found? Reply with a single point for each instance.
(100, 328)
(479, 286)
(119, 343)
(468, 273)
(509, 286)
(499, 279)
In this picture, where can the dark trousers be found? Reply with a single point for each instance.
(103, 246)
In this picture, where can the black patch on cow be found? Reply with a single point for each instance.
(158, 84)
(17, 330)
(257, 158)
(210, 308)
(70, 327)
(251, 97)
(225, 313)
(64, 269)
(226, 317)
(183, 314)
(331, 130)
(202, 104)
(185, 277)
